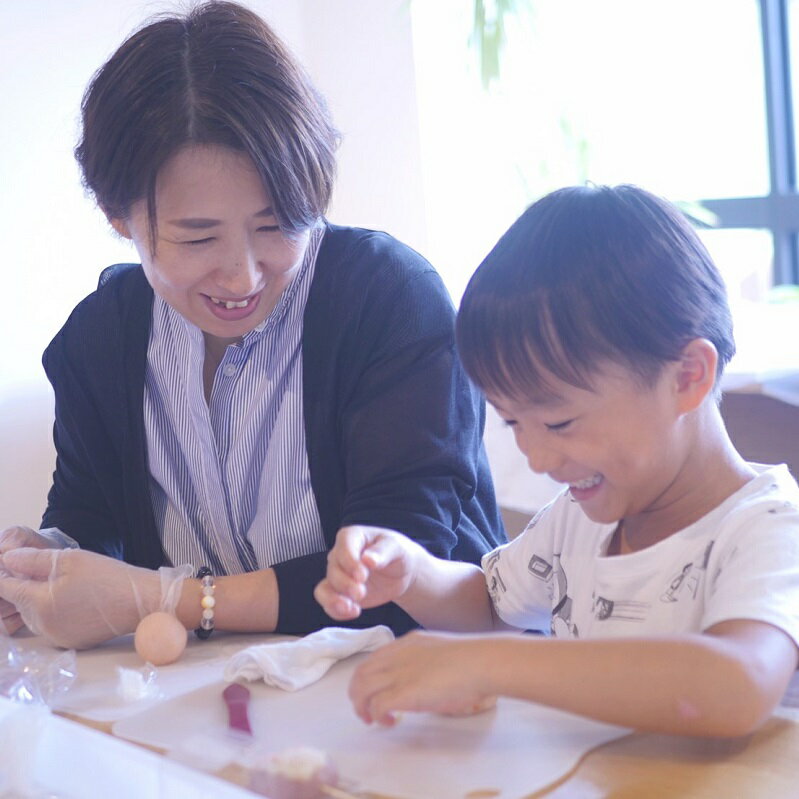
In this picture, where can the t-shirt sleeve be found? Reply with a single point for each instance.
(755, 575)
(519, 574)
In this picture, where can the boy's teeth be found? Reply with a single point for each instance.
(589, 482)
(229, 303)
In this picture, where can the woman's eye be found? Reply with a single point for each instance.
(559, 426)
(509, 422)
(194, 242)
(268, 228)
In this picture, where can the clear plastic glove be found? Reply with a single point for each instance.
(17, 537)
(14, 538)
(78, 599)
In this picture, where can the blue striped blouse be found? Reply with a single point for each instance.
(229, 478)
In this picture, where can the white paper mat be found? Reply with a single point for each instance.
(94, 695)
(516, 749)
(75, 762)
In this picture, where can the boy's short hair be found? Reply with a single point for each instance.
(586, 275)
(217, 75)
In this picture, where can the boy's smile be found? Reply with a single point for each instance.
(583, 490)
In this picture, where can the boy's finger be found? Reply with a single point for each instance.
(344, 582)
(334, 604)
(380, 552)
(348, 550)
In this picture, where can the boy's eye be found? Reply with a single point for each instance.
(509, 422)
(559, 426)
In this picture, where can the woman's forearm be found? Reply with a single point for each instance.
(244, 602)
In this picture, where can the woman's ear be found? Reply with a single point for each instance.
(696, 373)
(121, 226)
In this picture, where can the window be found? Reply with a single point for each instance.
(690, 99)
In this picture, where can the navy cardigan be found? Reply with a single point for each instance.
(393, 426)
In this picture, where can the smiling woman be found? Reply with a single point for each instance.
(261, 380)
(219, 257)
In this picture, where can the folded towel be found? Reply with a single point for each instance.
(292, 665)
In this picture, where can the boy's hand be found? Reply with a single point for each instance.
(367, 567)
(423, 672)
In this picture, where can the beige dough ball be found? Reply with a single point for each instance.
(160, 638)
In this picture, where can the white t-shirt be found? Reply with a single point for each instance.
(740, 561)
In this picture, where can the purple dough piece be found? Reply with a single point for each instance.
(237, 697)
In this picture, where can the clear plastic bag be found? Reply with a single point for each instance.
(32, 677)
(33, 681)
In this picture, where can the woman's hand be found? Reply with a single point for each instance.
(17, 537)
(14, 538)
(423, 672)
(77, 599)
(367, 567)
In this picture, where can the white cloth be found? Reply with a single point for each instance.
(292, 665)
(740, 561)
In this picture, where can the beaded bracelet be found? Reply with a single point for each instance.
(206, 627)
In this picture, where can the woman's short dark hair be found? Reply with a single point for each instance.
(217, 75)
(586, 275)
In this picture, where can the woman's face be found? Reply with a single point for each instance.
(220, 259)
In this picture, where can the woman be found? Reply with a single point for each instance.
(263, 379)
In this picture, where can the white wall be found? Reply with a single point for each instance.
(55, 242)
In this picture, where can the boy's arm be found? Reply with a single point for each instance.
(725, 682)
(369, 566)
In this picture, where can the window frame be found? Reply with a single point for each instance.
(777, 212)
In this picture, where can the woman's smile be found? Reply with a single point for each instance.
(233, 310)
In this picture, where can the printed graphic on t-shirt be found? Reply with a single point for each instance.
(496, 585)
(687, 581)
(685, 584)
(554, 576)
(619, 609)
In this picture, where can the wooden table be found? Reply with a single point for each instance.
(644, 766)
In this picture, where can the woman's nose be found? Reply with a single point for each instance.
(239, 274)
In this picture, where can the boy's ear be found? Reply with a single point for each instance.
(696, 373)
(120, 225)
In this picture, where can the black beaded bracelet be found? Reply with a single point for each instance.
(206, 576)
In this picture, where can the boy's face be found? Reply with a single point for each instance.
(619, 448)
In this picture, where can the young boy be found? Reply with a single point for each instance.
(668, 570)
